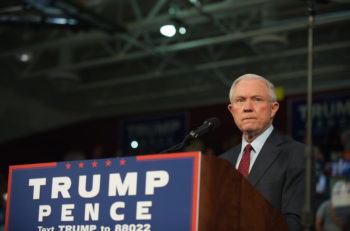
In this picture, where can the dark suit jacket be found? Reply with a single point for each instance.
(279, 175)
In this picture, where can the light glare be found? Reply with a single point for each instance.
(182, 30)
(168, 30)
(134, 144)
(24, 57)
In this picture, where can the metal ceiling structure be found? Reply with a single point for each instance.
(96, 58)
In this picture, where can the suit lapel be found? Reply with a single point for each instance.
(266, 157)
(235, 153)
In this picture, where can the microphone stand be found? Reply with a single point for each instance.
(307, 215)
(185, 142)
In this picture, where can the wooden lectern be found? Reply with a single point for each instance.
(229, 202)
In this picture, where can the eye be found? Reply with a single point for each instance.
(257, 99)
(239, 100)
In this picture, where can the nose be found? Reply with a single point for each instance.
(248, 106)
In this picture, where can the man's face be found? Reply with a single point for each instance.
(251, 107)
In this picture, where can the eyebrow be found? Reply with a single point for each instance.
(253, 96)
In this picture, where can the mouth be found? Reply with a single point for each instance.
(249, 118)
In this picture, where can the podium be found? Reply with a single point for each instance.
(179, 191)
(228, 201)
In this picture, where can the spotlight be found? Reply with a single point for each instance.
(168, 30)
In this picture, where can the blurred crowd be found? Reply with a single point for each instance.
(332, 163)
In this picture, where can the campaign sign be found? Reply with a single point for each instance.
(151, 192)
(329, 111)
(340, 167)
(153, 134)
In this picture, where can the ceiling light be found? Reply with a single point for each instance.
(134, 144)
(168, 30)
(195, 2)
(25, 57)
(182, 30)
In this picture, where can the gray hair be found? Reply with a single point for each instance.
(270, 86)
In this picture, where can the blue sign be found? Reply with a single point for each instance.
(328, 112)
(153, 192)
(153, 134)
(340, 167)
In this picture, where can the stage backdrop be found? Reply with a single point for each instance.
(151, 192)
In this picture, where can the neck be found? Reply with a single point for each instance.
(250, 136)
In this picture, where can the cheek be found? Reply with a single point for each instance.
(236, 119)
(235, 113)
(264, 112)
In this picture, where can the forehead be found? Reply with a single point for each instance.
(248, 87)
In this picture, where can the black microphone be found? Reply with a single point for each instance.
(209, 125)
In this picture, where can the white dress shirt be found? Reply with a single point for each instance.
(257, 145)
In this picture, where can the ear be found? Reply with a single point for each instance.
(229, 107)
(274, 108)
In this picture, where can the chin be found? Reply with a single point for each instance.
(249, 127)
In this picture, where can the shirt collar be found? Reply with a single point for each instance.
(259, 141)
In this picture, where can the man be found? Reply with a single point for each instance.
(332, 214)
(276, 166)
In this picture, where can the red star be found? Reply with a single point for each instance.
(81, 165)
(122, 162)
(108, 163)
(94, 164)
(68, 166)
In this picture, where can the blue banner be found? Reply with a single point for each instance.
(153, 192)
(153, 134)
(340, 167)
(329, 111)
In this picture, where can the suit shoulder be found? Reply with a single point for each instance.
(289, 142)
(295, 150)
(228, 155)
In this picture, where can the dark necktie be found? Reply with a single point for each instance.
(243, 167)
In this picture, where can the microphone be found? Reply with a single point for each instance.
(209, 125)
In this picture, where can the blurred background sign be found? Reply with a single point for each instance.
(152, 134)
(331, 116)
